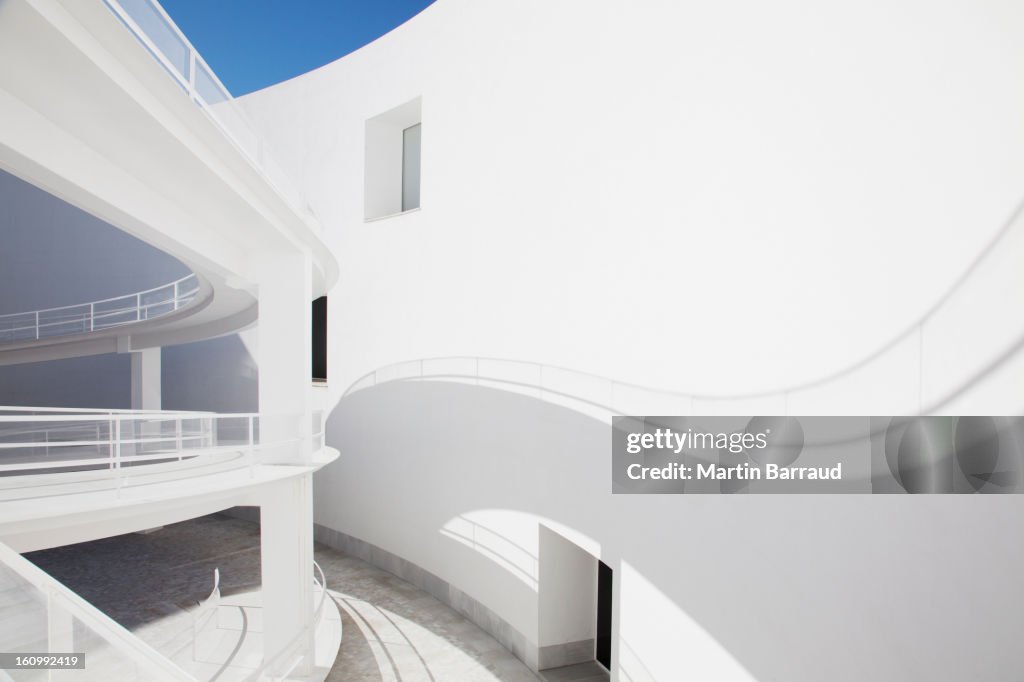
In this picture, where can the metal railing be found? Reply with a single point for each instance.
(921, 370)
(205, 614)
(94, 316)
(278, 666)
(158, 33)
(43, 616)
(117, 444)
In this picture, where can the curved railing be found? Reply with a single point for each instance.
(42, 616)
(94, 316)
(113, 446)
(205, 614)
(971, 332)
(280, 665)
(158, 33)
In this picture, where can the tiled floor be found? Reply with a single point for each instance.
(393, 632)
(581, 672)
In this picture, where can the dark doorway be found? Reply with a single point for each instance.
(320, 339)
(603, 649)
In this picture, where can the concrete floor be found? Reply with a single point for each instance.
(392, 630)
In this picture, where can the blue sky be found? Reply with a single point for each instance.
(251, 44)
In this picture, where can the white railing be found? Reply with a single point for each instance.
(922, 370)
(152, 26)
(42, 616)
(94, 316)
(278, 666)
(116, 444)
(205, 614)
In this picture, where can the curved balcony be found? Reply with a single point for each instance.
(51, 451)
(172, 299)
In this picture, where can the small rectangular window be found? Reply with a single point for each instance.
(391, 161)
(411, 167)
(320, 339)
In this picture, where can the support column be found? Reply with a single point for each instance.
(286, 514)
(286, 550)
(146, 389)
(285, 354)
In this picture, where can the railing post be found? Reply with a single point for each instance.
(191, 73)
(60, 630)
(117, 455)
(177, 436)
(37, 325)
(110, 440)
(252, 447)
(92, 317)
(138, 307)
(176, 294)
(920, 368)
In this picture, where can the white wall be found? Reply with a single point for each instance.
(716, 198)
(54, 254)
(566, 592)
(733, 587)
(706, 197)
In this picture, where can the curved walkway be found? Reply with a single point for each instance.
(96, 316)
(392, 631)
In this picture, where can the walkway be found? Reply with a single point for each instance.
(393, 632)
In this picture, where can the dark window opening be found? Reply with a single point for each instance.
(603, 649)
(320, 339)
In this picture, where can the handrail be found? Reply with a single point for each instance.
(203, 87)
(296, 642)
(206, 611)
(100, 315)
(121, 441)
(58, 599)
(1010, 236)
(95, 410)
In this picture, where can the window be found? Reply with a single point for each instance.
(320, 339)
(411, 167)
(392, 162)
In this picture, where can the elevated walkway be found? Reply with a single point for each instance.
(109, 128)
(71, 476)
(119, 324)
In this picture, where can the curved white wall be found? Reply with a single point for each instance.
(458, 479)
(711, 198)
(714, 198)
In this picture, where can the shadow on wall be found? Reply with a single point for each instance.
(55, 254)
(769, 586)
(461, 479)
(98, 381)
(217, 375)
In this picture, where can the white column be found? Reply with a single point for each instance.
(285, 353)
(286, 548)
(146, 389)
(285, 357)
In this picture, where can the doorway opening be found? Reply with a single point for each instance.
(575, 602)
(320, 340)
(603, 645)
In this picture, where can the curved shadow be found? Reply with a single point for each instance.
(447, 450)
(609, 394)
